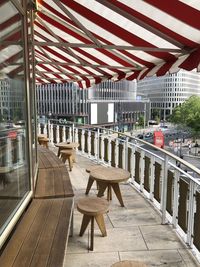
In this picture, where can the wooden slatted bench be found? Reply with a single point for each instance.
(40, 237)
(53, 183)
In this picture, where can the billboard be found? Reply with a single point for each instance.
(101, 113)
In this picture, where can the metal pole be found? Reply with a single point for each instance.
(144, 115)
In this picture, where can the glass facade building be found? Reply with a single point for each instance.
(167, 92)
(73, 103)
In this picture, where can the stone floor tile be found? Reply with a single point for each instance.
(187, 255)
(161, 258)
(161, 237)
(119, 239)
(91, 259)
(135, 217)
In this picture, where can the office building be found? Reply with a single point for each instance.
(109, 103)
(167, 92)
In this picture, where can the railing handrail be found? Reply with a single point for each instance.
(174, 157)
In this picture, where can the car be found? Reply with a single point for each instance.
(148, 135)
(140, 136)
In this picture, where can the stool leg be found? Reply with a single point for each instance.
(102, 188)
(89, 185)
(100, 221)
(74, 155)
(85, 222)
(109, 193)
(92, 234)
(70, 163)
(118, 193)
(58, 152)
(63, 158)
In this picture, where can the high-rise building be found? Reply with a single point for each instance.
(167, 92)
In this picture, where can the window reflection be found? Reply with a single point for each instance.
(14, 168)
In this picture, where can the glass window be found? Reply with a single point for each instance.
(14, 167)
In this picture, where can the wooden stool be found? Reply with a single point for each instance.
(92, 208)
(129, 264)
(43, 141)
(67, 155)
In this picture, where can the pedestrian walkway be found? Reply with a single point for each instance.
(134, 232)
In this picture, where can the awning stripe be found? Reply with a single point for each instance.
(177, 9)
(115, 29)
(164, 30)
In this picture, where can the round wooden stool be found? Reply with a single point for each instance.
(43, 141)
(67, 155)
(129, 264)
(92, 208)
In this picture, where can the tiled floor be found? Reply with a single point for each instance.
(133, 232)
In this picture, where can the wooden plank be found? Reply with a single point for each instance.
(43, 249)
(61, 238)
(53, 183)
(49, 160)
(40, 237)
(63, 184)
(13, 247)
(32, 238)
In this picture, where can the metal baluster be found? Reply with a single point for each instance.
(116, 153)
(64, 133)
(83, 140)
(57, 134)
(70, 134)
(89, 143)
(164, 189)
(142, 159)
(152, 177)
(109, 150)
(191, 212)
(175, 197)
(132, 163)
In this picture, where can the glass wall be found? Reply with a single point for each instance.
(14, 113)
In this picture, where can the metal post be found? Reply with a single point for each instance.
(97, 145)
(191, 212)
(164, 190)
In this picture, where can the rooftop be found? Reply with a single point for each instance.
(133, 232)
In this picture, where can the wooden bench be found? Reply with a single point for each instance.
(40, 237)
(53, 183)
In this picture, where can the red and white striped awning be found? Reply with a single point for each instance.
(88, 41)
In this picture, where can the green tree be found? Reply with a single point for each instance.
(141, 121)
(188, 114)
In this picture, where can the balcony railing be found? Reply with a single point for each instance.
(170, 183)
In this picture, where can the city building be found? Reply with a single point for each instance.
(11, 100)
(112, 104)
(167, 92)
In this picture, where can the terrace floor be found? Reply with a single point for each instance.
(133, 232)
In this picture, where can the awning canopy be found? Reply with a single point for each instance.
(88, 41)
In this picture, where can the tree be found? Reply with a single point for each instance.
(141, 121)
(188, 114)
